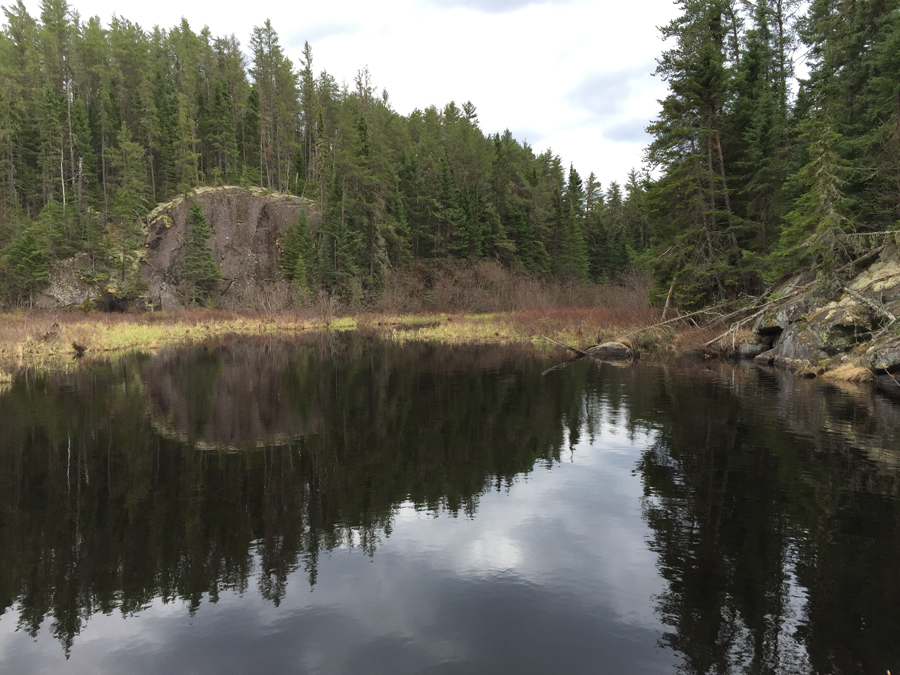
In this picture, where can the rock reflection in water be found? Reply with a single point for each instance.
(118, 487)
(769, 503)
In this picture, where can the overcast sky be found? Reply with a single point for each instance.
(571, 75)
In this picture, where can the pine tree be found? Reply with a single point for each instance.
(200, 273)
(339, 244)
(812, 230)
(452, 235)
(689, 207)
(184, 142)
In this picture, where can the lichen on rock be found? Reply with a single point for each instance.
(838, 323)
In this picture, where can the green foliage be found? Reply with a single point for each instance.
(25, 264)
(811, 228)
(99, 122)
(298, 255)
(200, 273)
(751, 182)
(128, 207)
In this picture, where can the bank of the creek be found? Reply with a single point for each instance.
(336, 502)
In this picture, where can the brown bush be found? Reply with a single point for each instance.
(458, 286)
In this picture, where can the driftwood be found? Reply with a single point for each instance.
(765, 308)
(890, 375)
(871, 304)
(608, 351)
(708, 310)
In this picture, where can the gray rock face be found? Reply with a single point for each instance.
(66, 287)
(610, 351)
(884, 355)
(824, 323)
(247, 227)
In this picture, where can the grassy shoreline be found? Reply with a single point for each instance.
(48, 340)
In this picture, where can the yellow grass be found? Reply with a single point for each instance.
(849, 373)
(48, 339)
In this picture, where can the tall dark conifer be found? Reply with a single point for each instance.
(200, 273)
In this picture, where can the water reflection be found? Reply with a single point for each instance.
(119, 486)
(773, 506)
(231, 472)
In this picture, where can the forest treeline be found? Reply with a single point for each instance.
(759, 172)
(99, 123)
(751, 171)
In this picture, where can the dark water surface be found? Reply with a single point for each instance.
(344, 505)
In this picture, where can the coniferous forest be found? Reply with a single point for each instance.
(752, 171)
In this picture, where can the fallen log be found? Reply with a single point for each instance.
(708, 310)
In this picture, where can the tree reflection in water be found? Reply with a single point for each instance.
(189, 473)
(776, 522)
(772, 503)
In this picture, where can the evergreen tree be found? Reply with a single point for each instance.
(689, 206)
(573, 261)
(129, 206)
(812, 229)
(338, 244)
(452, 233)
(298, 255)
(200, 273)
(25, 265)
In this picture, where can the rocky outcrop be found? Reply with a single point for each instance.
(831, 323)
(247, 226)
(70, 284)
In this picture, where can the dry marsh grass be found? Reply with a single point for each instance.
(849, 373)
(457, 303)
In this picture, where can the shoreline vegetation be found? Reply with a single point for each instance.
(285, 201)
(508, 309)
(52, 339)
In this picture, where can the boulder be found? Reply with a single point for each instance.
(797, 342)
(883, 355)
(610, 351)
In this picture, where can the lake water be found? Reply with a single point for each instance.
(340, 504)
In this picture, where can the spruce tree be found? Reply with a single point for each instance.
(572, 261)
(129, 204)
(298, 255)
(25, 264)
(200, 273)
